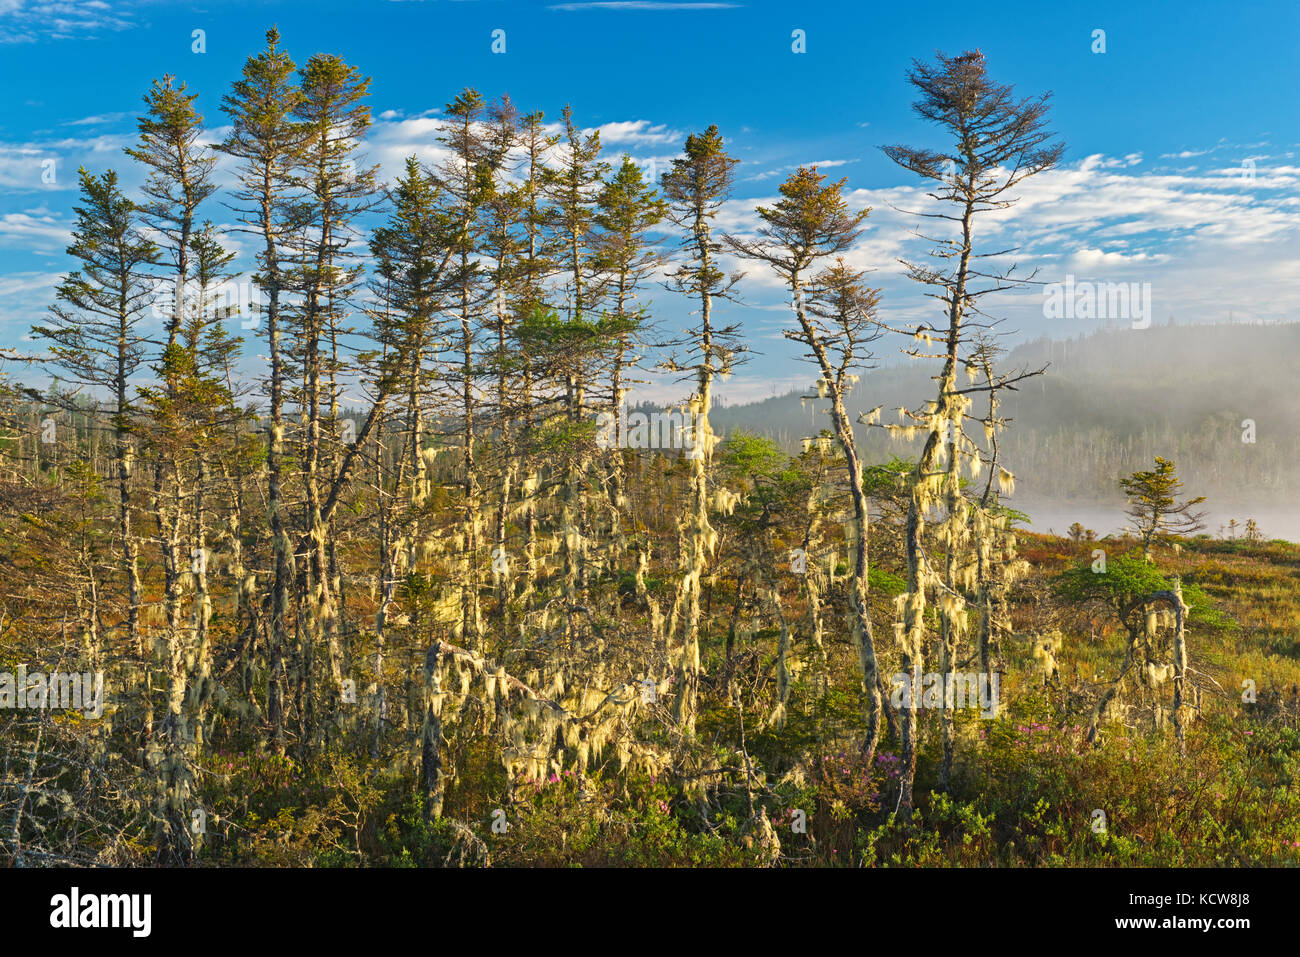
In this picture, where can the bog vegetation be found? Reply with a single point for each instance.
(408, 595)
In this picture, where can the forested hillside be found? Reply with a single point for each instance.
(421, 591)
(1109, 403)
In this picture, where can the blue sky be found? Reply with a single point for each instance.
(1159, 128)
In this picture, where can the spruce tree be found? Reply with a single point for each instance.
(628, 208)
(696, 186)
(996, 141)
(268, 141)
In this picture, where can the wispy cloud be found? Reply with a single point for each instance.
(99, 120)
(791, 167)
(637, 133)
(26, 167)
(1206, 239)
(29, 21)
(37, 230)
(25, 282)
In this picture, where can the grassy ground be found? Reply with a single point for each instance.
(1028, 789)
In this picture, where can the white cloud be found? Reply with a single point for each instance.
(36, 230)
(636, 133)
(29, 21)
(18, 284)
(1205, 240)
(392, 140)
(791, 167)
(99, 120)
(23, 165)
